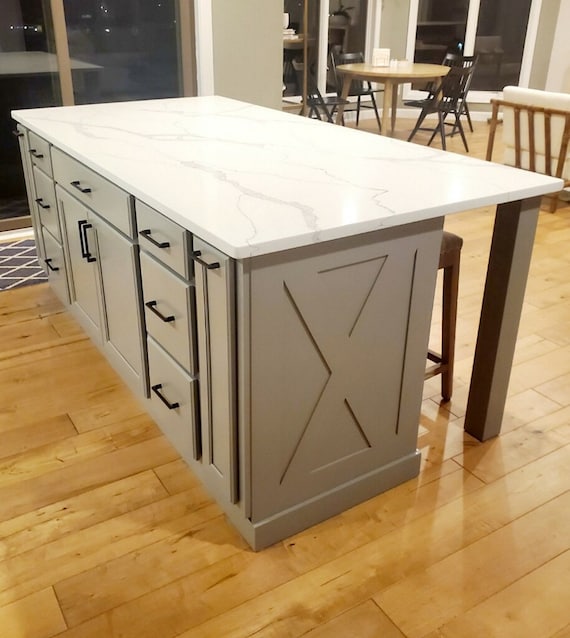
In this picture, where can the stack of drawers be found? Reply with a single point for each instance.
(170, 313)
(49, 232)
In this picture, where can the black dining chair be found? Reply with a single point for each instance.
(358, 88)
(321, 107)
(450, 59)
(447, 101)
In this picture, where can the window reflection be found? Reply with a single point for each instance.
(131, 47)
(499, 43)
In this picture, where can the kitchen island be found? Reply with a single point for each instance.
(264, 283)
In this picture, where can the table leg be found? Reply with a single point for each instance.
(386, 108)
(344, 95)
(394, 108)
(509, 262)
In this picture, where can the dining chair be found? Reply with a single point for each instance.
(358, 88)
(321, 107)
(446, 102)
(450, 59)
(449, 260)
(536, 132)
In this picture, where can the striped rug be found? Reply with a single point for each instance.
(19, 264)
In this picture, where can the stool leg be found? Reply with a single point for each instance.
(449, 318)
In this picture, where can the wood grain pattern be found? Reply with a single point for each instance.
(104, 531)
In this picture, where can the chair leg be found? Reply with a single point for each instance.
(422, 116)
(449, 319)
(468, 114)
(441, 129)
(461, 131)
(357, 110)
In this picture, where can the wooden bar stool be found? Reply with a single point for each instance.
(449, 258)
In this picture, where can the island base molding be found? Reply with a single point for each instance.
(316, 510)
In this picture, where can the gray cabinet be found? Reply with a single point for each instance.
(84, 286)
(104, 272)
(215, 311)
(289, 382)
(46, 221)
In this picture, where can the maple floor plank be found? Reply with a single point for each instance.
(36, 616)
(467, 577)
(544, 614)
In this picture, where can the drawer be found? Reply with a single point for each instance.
(46, 203)
(169, 311)
(40, 153)
(106, 199)
(54, 266)
(164, 239)
(173, 401)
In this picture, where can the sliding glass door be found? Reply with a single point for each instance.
(28, 78)
(123, 49)
(55, 52)
(498, 31)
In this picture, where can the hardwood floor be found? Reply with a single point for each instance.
(104, 532)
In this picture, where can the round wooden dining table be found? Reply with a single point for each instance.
(389, 76)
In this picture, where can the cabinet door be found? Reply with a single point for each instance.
(119, 268)
(83, 260)
(55, 267)
(215, 316)
(22, 136)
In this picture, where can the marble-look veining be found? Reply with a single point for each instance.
(252, 180)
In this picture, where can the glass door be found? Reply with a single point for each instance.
(28, 78)
(499, 43)
(500, 32)
(440, 29)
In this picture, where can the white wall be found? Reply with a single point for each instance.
(240, 49)
(558, 77)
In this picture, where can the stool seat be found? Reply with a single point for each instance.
(449, 258)
(450, 243)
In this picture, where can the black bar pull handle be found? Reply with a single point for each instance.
(159, 244)
(80, 225)
(77, 184)
(35, 153)
(196, 256)
(40, 203)
(50, 267)
(17, 133)
(156, 389)
(83, 225)
(151, 305)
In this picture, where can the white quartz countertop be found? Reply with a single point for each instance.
(252, 180)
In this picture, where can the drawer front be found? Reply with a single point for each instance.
(40, 153)
(54, 265)
(106, 199)
(46, 203)
(164, 239)
(173, 401)
(169, 311)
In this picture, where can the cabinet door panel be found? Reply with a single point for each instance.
(215, 312)
(40, 153)
(23, 134)
(55, 267)
(121, 300)
(84, 287)
(173, 401)
(45, 202)
(169, 311)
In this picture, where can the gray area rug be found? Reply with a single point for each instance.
(19, 264)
